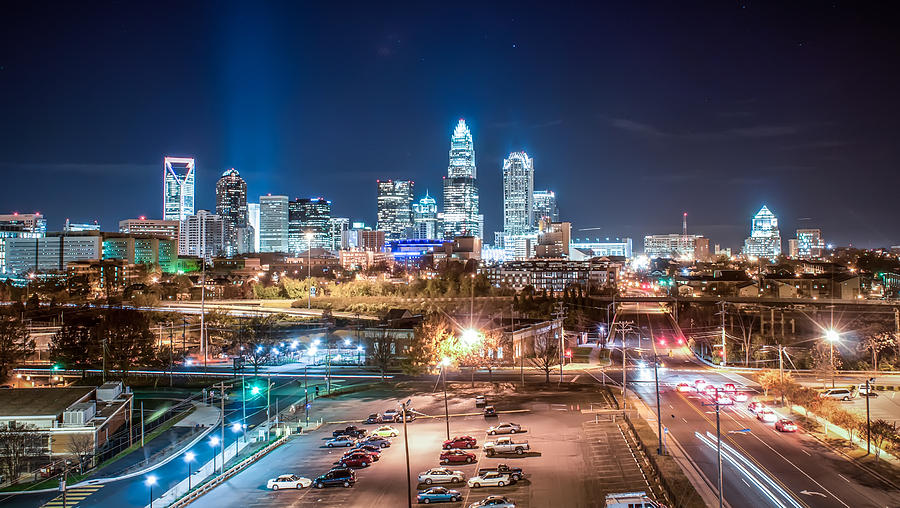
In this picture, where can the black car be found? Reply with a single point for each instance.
(490, 412)
(352, 431)
(382, 442)
(337, 476)
(374, 418)
(515, 473)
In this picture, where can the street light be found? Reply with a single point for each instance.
(832, 336)
(151, 481)
(469, 337)
(868, 421)
(214, 442)
(404, 406)
(309, 237)
(444, 364)
(189, 457)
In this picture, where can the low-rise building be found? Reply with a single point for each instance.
(555, 275)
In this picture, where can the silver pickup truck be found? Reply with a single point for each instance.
(505, 445)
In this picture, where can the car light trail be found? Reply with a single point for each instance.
(764, 476)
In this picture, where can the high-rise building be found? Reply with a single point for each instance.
(178, 188)
(50, 253)
(553, 239)
(810, 243)
(765, 238)
(461, 215)
(26, 222)
(231, 205)
(273, 223)
(518, 194)
(77, 227)
(150, 227)
(545, 207)
(395, 214)
(202, 235)
(674, 246)
(425, 219)
(308, 216)
(337, 226)
(253, 220)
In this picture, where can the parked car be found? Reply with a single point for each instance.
(340, 441)
(338, 476)
(490, 479)
(460, 442)
(379, 441)
(374, 456)
(505, 445)
(515, 473)
(438, 495)
(374, 418)
(441, 475)
(410, 417)
(385, 431)
(493, 502)
(288, 481)
(457, 457)
(630, 499)
(490, 412)
(766, 415)
(352, 431)
(864, 391)
(389, 415)
(837, 394)
(785, 425)
(504, 428)
(480, 401)
(356, 459)
(373, 450)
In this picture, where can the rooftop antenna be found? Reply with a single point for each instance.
(684, 224)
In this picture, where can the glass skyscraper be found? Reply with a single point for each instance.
(545, 207)
(231, 205)
(395, 215)
(518, 194)
(461, 215)
(273, 223)
(425, 219)
(178, 188)
(309, 215)
(765, 238)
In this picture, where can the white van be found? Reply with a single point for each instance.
(837, 394)
(631, 500)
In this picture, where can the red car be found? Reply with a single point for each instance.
(457, 457)
(460, 442)
(356, 459)
(785, 425)
(373, 454)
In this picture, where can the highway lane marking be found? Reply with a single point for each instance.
(806, 452)
(683, 419)
(746, 454)
(845, 479)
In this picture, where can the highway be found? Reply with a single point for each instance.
(768, 468)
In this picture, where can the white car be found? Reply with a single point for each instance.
(441, 475)
(288, 481)
(505, 428)
(494, 502)
(766, 415)
(490, 479)
(385, 431)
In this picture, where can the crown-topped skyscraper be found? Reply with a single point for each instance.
(461, 215)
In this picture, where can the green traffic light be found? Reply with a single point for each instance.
(57, 366)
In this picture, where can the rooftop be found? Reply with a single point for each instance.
(40, 401)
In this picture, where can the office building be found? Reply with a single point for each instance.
(25, 222)
(143, 251)
(426, 225)
(76, 227)
(337, 226)
(13, 227)
(765, 238)
(395, 213)
(308, 216)
(150, 227)
(460, 214)
(253, 220)
(675, 246)
(809, 244)
(555, 275)
(178, 188)
(553, 239)
(545, 207)
(602, 247)
(518, 194)
(49, 254)
(273, 223)
(202, 235)
(231, 205)
(363, 239)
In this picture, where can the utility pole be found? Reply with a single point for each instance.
(203, 314)
(406, 449)
(868, 421)
(718, 443)
(268, 403)
(142, 424)
(171, 355)
(724, 353)
(659, 451)
(781, 371)
(222, 397)
(560, 313)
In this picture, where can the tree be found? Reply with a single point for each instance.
(882, 430)
(17, 442)
(382, 352)
(768, 379)
(260, 339)
(746, 323)
(15, 344)
(129, 341)
(875, 343)
(545, 354)
(75, 345)
(81, 447)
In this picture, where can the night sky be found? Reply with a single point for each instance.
(634, 112)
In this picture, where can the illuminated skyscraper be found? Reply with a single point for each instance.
(201, 235)
(425, 219)
(765, 238)
(518, 194)
(461, 215)
(810, 244)
(545, 207)
(273, 223)
(253, 221)
(309, 215)
(395, 215)
(231, 205)
(178, 188)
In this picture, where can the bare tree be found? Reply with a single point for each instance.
(81, 446)
(383, 351)
(746, 322)
(15, 344)
(545, 354)
(17, 442)
(875, 343)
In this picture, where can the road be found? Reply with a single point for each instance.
(794, 469)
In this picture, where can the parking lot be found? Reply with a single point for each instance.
(560, 467)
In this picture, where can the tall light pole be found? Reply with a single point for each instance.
(309, 237)
(151, 481)
(658, 417)
(189, 457)
(832, 336)
(404, 405)
(444, 364)
(868, 421)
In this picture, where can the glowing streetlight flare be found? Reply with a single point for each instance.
(446, 361)
(189, 457)
(832, 336)
(470, 337)
(214, 441)
(151, 480)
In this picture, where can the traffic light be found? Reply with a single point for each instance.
(57, 366)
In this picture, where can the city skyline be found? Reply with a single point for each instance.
(758, 130)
